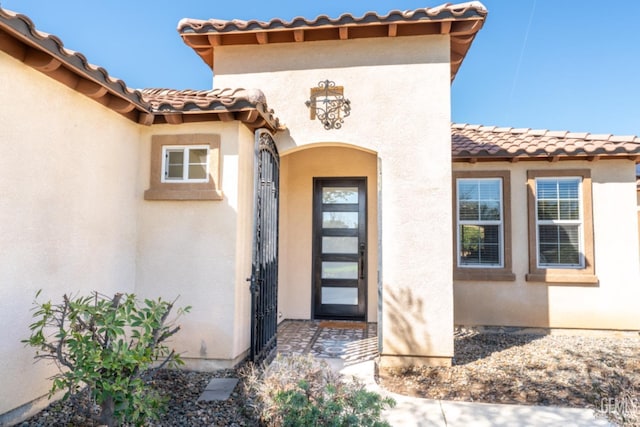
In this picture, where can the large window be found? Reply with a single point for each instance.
(482, 226)
(559, 222)
(560, 226)
(480, 222)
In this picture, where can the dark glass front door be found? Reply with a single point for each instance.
(339, 248)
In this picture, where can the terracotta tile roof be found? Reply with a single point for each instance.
(248, 106)
(46, 53)
(461, 21)
(444, 11)
(489, 143)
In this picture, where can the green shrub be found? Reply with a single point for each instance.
(110, 345)
(304, 391)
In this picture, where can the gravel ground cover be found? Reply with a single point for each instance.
(183, 389)
(569, 371)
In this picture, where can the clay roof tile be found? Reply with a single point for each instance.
(602, 136)
(622, 138)
(502, 129)
(489, 142)
(576, 135)
(23, 30)
(557, 134)
(434, 20)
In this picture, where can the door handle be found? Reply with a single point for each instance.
(361, 261)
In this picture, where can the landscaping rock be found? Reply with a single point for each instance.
(512, 367)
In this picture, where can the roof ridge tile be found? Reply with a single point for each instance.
(520, 130)
(557, 133)
(598, 137)
(577, 135)
(622, 138)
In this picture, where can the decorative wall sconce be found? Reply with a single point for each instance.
(328, 104)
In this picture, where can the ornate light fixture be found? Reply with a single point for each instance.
(328, 104)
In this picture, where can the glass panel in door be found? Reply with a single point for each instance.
(339, 248)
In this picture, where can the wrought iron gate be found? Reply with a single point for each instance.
(264, 273)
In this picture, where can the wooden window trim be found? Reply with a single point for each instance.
(501, 274)
(159, 190)
(584, 275)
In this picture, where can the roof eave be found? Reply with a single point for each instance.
(47, 54)
(460, 22)
(252, 117)
(466, 158)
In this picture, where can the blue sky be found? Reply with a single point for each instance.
(543, 64)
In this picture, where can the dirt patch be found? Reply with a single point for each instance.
(569, 371)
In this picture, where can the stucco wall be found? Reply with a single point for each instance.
(406, 120)
(612, 304)
(67, 174)
(298, 170)
(201, 250)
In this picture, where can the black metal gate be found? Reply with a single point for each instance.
(264, 273)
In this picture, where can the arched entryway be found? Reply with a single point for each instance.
(315, 281)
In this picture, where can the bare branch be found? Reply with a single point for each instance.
(168, 333)
(146, 375)
(156, 331)
(115, 302)
(60, 344)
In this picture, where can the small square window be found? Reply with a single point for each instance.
(185, 164)
(184, 167)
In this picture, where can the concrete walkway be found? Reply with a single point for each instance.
(413, 411)
(351, 348)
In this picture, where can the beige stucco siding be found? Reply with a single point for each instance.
(610, 304)
(201, 250)
(406, 121)
(68, 210)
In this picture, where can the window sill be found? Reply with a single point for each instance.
(484, 275)
(165, 194)
(566, 278)
(208, 190)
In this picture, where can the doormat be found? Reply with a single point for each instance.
(343, 325)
